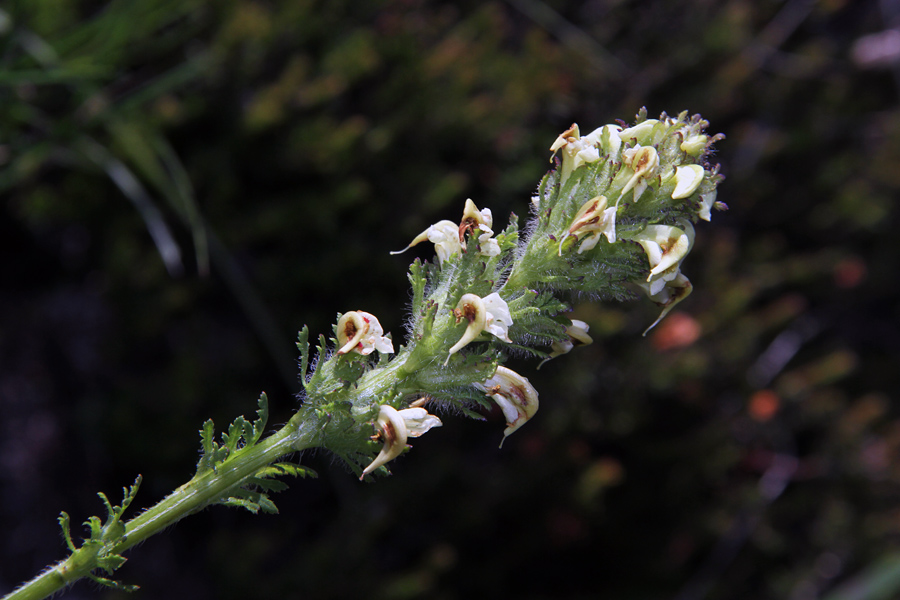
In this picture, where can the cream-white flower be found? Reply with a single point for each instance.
(640, 132)
(707, 201)
(577, 334)
(592, 220)
(474, 218)
(576, 150)
(395, 427)
(488, 246)
(498, 319)
(687, 180)
(490, 314)
(666, 246)
(673, 292)
(482, 220)
(445, 237)
(418, 420)
(360, 332)
(448, 237)
(515, 396)
(644, 161)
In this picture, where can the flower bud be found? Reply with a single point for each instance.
(360, 332)
(694, 144)
(514, 395)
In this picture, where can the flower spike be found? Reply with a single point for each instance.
(360, 332)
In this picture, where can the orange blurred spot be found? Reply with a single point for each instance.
(763, 405)
(676, 331)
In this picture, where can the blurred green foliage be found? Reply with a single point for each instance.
(185, 184)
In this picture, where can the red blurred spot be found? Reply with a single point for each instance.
(763, 405)
(532, 446)
(565, 528)
(676, 331)
(850, 272)
(578, 450)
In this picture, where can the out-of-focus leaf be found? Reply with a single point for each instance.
(879, 581)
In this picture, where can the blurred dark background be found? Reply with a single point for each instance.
(185, 183)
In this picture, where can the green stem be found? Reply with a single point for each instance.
(198, 493)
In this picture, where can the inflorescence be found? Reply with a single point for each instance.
(615, 215)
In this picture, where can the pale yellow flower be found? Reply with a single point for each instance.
(687, 180)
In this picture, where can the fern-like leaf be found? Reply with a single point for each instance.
(259, 425)
(241, 503)
(303, 347)
(65, 525)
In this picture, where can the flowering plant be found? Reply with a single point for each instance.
(613, 216)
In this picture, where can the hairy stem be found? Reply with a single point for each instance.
(201, 491)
